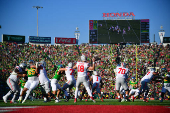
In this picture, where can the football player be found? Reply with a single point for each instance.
(134, 89)
(32, 83)
(44, 81)
(166, 85)
(82, 76)
(71, 82)
(22, 83)
(54, 83)
(96, 83)
(121, 77)
(12, 82)
(144, 81)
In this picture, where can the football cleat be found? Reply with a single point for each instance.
(161, 100)
(23, 101)
(133, 98)
(91, 98)
(119, 100)
(86, 100)
(102, 100)
(66, 100)
(145, 100)
(75, 100)
(13, 102)
(20, 101)
(127, 99)
(123, 100)
(5, 99)
(57, 100)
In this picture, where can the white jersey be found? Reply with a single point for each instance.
(148, 76)
(96, 79)
(121, 72)
(82, 68)
(69, 73)
(14, 75)
(43, 75)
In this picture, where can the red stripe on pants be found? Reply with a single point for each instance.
(10, 84)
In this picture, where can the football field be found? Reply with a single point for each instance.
(109, 105)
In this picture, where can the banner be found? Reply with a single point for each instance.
(161, 35)
(40, 40)
(13, 38)
(59, 40)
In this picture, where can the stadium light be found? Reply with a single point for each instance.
(37, 16)
(77, 35)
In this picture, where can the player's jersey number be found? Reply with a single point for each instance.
(23, 84)
(31, 72)
(148, 73)
(80, 68)
(97, 79)
(71, 71)
(121, 71)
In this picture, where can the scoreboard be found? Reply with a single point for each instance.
(145, 31)
(93, 31)
(118, 31)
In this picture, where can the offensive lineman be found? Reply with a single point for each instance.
(32, 82)
(146, 79)
(71, 82)
(82, 76)
(121, 76)
(12, 82)
(44, 81)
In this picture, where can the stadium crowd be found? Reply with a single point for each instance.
(106, 61)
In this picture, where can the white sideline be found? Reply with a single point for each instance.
(18, 107)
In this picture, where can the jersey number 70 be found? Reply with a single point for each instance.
(121, 71)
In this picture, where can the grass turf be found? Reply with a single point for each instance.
(89, 102)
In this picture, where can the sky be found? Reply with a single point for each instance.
(59, 18)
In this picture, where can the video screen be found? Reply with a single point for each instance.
(115, 31)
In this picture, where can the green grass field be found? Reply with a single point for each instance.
(89, 102)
